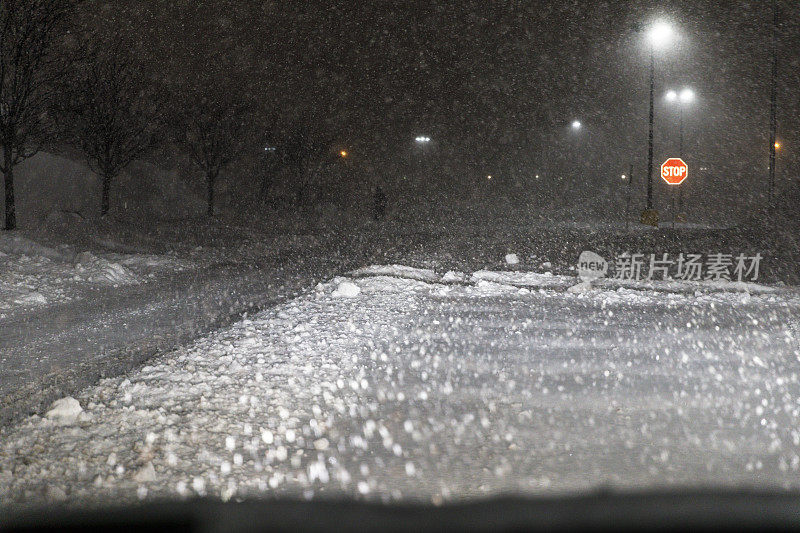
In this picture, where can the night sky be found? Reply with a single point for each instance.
(496, 84)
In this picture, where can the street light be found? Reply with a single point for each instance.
(576, 125)
(685, 97)
(659, 35)
(423, 139)
(773, 103)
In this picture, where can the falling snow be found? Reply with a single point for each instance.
(432, 392)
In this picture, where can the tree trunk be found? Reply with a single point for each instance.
(212, 178)
(8, 178)
(104, 202)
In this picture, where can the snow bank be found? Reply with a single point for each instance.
(398, 271)
(15, 244)
(455, 277)
(524, 279)
(584, 286)
(98, 270)
(550, 281)
(688, 287)
(33, 275)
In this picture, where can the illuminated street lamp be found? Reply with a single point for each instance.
(683, 98)
(343, 154)
(423, 139)
(659, 35)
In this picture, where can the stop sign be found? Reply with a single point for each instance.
(674, 171)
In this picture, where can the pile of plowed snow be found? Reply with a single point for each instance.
(98, 270)
(33, 274)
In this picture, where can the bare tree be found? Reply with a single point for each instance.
(214, 129)
(112, 113)
(29, 30)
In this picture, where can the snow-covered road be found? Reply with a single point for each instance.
(388, 388)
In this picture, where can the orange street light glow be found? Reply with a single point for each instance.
(343, 153)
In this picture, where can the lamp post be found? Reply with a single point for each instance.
(684, 98)
(659, 35)
(650, 130)
(773, 105)
(629, 179)
(422, 142)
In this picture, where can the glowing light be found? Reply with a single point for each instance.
(624, 177)
(423, 139)
(489, 177)
(687, 96)
(343, 153)
(671, 96)
(777, 146)
(660, 34)
(576, 125)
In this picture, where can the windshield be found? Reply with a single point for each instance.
(412, 252)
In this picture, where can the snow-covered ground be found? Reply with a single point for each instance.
(390, 384)
(35, 275)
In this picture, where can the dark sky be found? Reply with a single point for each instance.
(494, 82)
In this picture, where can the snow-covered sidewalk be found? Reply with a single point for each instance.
(384, 387)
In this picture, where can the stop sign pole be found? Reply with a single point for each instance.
(674, 171)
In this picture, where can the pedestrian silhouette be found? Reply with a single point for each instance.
(380, 204)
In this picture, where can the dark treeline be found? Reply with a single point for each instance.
(83, 75)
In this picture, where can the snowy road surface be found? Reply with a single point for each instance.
(67, 346)
(407, 389)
